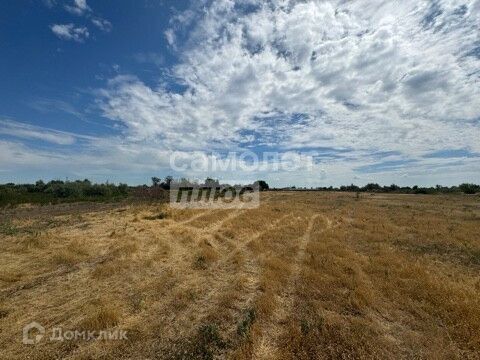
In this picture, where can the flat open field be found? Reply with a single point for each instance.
(307, 275)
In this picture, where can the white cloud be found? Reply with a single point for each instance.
(367, 76)
(45, 105)
(170, 36)
(21, 130)
(98, 159)
(70, 32)
(150, 57)
(102, 24)
(78, 7)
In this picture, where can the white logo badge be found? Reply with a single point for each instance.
(28, 337)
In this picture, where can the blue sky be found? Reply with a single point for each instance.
(365, 90)
(43, 72)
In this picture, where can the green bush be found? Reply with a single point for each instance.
(58, 191)
(469, 188)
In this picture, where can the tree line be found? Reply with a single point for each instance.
(56, 191)
(465, 188)
(169, 182)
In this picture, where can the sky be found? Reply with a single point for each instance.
(320, 92)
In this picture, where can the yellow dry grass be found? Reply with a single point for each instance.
(307, 275)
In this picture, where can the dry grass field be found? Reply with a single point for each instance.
(308, 275)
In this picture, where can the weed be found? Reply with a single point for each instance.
(64, 257)
(200, 262)
(206, 256)
(209, 341)
(3, 313)
(8, 229)
(305, 326)
(159, 216)
(243, 327)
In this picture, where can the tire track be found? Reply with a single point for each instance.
(191, 219)
(251, 266)
(267, 346)
(45, 277)
(219, 280)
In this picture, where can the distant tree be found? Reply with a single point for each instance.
(422, 190)
(372, 187)
(469, 188)
(209, 182)
(351, 187)
(40, 186)
(262, 185)
(167, 183)
(393, 187)
(123, 189)
(55, 182)
(155, 181)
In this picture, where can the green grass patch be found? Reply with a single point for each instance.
(8, 229)
(244, 325)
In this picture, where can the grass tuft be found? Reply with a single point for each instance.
(103, 317)
(243, 327)
(159, 216)
(8, 229)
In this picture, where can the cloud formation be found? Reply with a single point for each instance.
(70, 32)
(78, 7)
(74, 32)
(362, 75)
(26, 131)
(150, 58)
(102, 24)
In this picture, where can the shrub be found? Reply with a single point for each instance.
(262, 185)
(59, 191)
(244, 326)
(469, 188)
(8, 229)
(208, 341)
